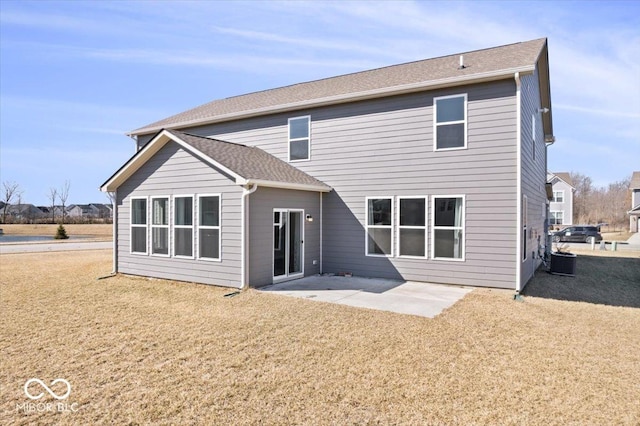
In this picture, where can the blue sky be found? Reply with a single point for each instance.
(76, 76)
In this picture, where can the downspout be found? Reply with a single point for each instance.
(244, 232)
(321, 219)
(115, 231)
(518, 184)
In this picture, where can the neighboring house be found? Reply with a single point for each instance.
(102, 211)
(23, 212)
(92, 211)
(429, 171)
(634, 213)
(79, 210)
(561, 205)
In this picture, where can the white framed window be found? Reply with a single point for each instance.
(209, 231)
(450, 122)
(412, 227)
(138, 222)
(533, 136)
(300, 138)
(183, 226)
(558, 196)
(448, 227)
(379, 226)
(556, 217)
(525, 218)
(160, 226)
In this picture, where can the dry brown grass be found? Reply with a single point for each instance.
(139, 351)
(602, 277)
(616, 236)
(95, 231)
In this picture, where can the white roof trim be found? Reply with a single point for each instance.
(288, 185)
(347, 97)
(149, 150)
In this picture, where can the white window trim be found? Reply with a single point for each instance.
(436, 124)
(559, 191)
(367, 226)
(132, 225)
(533, 135)
(192, 227)
(425, 227)
(167, 227)
(219, 228)
(308, 139)
(463, 227)
(551, 214)
(525, 228)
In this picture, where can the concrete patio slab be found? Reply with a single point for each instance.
(404, 297)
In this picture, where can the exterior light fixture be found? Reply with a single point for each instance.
(309, 218)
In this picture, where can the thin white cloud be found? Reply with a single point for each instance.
(597, 111)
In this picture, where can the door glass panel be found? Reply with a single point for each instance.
(295, 239)
(279, 237)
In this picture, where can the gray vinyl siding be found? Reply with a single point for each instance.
(261, 206)
(534, 174)
(173, 171)
(384, 147)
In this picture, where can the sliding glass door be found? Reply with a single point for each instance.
(288, 230)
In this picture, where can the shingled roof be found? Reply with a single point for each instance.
(246, 165)
(565, 177)
(480, 65)
(251, 163)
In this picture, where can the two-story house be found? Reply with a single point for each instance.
(428, 171)
(561, 205)
(634, 213)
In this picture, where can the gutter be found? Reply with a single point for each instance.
(285, 185)
(244, 232)
(344, 98)
(518, 283)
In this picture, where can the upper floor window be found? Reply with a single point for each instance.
(299, 138)
(558, 197)
(533, 136)
(450, 122)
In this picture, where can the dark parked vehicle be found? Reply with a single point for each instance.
(578, 234)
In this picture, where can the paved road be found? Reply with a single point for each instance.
(60, 246)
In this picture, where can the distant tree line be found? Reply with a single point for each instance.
(14, 210)
(594, 205)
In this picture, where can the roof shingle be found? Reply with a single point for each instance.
(446, 68)
(251, 163)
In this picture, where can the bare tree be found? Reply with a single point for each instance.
(9, 191)
(53, 196)
(581, 197)
(593, 205)
(63, 195)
